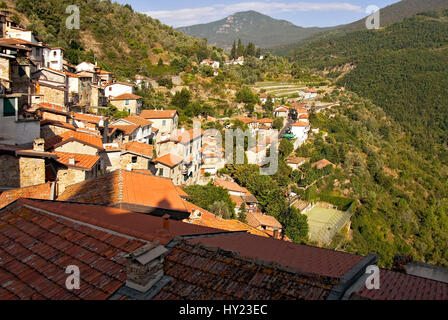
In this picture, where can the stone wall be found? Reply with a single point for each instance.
(9, 173)
(4, 73)
(49, 131)
(53, 116)
(133, 106)
(32, 171)
(126, 159)
(76, 147)
(51, 95)
(67, 177)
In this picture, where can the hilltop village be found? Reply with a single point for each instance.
(141, 199)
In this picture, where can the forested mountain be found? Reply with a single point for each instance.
(120, 39)
(250, 26)
(397, 162)
(391, 14)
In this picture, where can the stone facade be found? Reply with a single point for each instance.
(49, 131)
(69, 176)
(132, 161)
(32, 171)
(133, 106)
(52, 116)
(52, 95)
(9, 173)
(76, 147)
(4, 73)
(175, 174)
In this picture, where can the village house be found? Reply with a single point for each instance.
(170, 166)
(119, 88)
(164, 120)
(211, 63)
(265, 223)
(308, 94)
(128, 102)
(54, 58)
(123, 133)
(105, 77)
(296, 162)
(129, 156)
(239, 195)
(281, 112)
(319, 165)
(51, 128)
(186, 144)
(144, 134)
(256, 155)
(300, 131)
(50, 87)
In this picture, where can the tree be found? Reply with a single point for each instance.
(181, 98)
(250, 50)
(278, 123)
(240, 51)
(206, 196)
(258, 53)
(285, 148)
(269, 105)
(233, 52)
(160, 63)
(220, 209)
(242, 216)
(297, 228)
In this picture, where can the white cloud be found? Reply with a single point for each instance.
(190, 16)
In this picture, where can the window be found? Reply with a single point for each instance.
(161, 173)
(55, 54)
(126, 102)
(134, 159)
(9, 109)
(22, 71)
(164, 123)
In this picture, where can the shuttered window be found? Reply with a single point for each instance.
(9, 109)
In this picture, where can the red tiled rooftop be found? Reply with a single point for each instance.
(231, 186)
(57, 124)
(69, 136)
(158, 114)
(305, 258)
(127, 130)
(36, 247)
(82, 161)
(170, 160)
(257, 219)
(322, 164)
(398, 286)
(126, 96)
(137, 120)
(42, 192)
(126, 187)
(143, 149)
(88, 117)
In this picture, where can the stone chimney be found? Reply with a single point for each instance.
(276, 234)
(39, 145)
(166, 222)
(71, 161)
(144, 266)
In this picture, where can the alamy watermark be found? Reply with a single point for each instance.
(73, 20)
(373, 20)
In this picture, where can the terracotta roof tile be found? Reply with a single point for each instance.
(88, 117)
(158, 114)
(36, 247)
(137, 120)
(126, 96)
(231, 186)
(127, 130)
(82, 161)
(126, 187)
(322, 164)
(42, 191)
(398, 286)
(143, 149)
(200, 273)
(170, 160)
(301, 124)
(88, 139)
(57, 124)
(307, 259)
(257, 219)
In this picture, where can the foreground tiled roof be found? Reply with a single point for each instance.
(201, 273)
(143, 149)
(158, 114)
(257, 219)
(36, 247)
(398, 286)
(305, 258)
(126, 187)
(82, 161)
(42, 191)
(85, 138)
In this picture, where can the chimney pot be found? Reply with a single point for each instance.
(166, 222)
(71, 161)
(39, 145)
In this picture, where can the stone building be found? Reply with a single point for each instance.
(128, 102)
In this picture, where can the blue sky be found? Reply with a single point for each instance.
(306, 13)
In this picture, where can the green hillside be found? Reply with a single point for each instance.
(120, 39)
